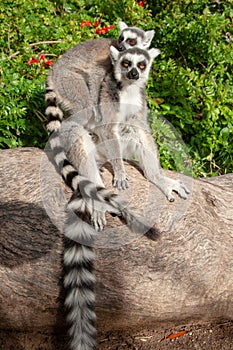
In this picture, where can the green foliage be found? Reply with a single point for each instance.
(174, 154)
(31, 29)
(191, 83)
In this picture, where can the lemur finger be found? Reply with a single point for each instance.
(186, 189)
(183, 190)
(124, 184)
(170, 197)
(182, 193)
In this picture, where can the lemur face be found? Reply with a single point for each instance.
(133, 37)
(133, 64)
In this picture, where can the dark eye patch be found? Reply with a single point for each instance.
(142, 65)
(126, 63)
(121, 39)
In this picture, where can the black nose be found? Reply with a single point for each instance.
(133, 74)
(121, 48)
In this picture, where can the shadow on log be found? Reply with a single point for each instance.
(184, 273)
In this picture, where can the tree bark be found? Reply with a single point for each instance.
(184, 272)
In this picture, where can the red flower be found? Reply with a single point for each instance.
(85, 23)
(97, 23)
(104, 30)
(141, 3)
(42, 57)
(98, 31)
(108, 27)
(48, 63)
(33, 60)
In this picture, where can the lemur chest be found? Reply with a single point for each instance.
(130, 102)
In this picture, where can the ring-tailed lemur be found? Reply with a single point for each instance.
(74, 81)
(122, 132)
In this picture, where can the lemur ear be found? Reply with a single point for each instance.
(153, 53)
(148, 38)
(114, 54)
(122, 25)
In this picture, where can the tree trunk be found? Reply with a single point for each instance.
(184, 272)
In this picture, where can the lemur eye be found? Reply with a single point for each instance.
(142, 65)
(132, 42)
(126, 63)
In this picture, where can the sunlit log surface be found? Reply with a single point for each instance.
(184, 272)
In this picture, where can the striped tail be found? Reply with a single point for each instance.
(79, 278)
(79, 282)
(52, 111)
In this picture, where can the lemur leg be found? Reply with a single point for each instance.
(111, 150)
(80, 151)
(141, 145)
(79, 91)
(72, 92)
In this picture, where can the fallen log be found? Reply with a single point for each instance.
(183, 272)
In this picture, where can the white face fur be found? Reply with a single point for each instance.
(132, 65)
(133, 37)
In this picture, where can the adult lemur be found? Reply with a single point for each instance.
(110, 127)
(73, 87)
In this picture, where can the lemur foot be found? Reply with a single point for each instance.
(98, 219)
(176, 186)
(121, 181)
(90, 210)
